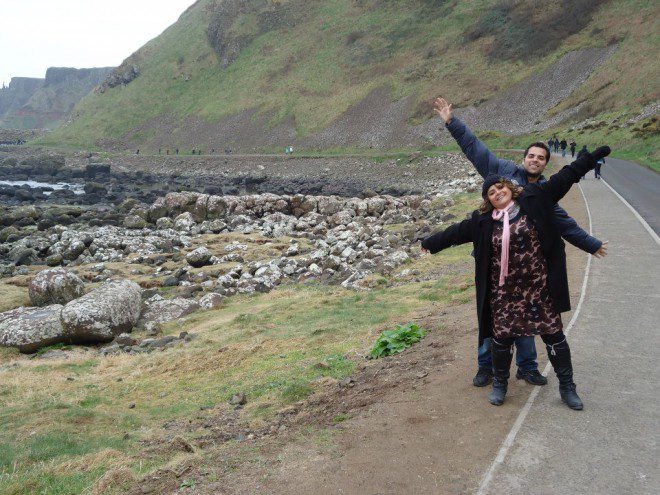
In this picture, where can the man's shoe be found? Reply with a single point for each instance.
(532, 377)
(482, 378)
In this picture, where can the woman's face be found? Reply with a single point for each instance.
(499, 195)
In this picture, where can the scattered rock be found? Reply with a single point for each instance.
(104, 312)
(55, 286)
(238, 399)
(29, 329)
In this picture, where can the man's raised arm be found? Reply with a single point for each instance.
(474, 149)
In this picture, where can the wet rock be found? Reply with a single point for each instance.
(29, 329)
(55, 286)
(103, 313)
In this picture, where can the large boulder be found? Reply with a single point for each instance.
(161, 310)
(29, 329)
(55, 286)
(199, 257)
(103, 313)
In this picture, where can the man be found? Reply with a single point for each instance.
(535, 160)
(599, 164)
(573, 145)
(563, 144)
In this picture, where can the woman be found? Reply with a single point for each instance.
(520, 263)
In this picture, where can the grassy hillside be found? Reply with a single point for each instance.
(307, 62)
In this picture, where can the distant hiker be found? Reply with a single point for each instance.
(520, 270)
(551, 143)
(177, 151)
(535, 160)
(556, 145)
(563, 144)
(573, 145)
(137, 152)
(167, 152)
(599, 164)
(583, 150)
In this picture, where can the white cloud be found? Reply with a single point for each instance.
(37, 34)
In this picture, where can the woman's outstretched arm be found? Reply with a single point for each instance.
(459, 233)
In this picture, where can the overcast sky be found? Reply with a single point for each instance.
(37, 34)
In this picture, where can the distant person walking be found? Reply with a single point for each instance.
(573, 145)
(583, 150)
(556, 143)
(520, 270)
(599, 164)
(563, 144)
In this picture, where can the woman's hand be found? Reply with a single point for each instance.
(602, 252)
(444, 109)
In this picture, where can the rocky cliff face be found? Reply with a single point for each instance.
(18, 93)
(30, 103)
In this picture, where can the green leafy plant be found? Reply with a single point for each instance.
(394, 341)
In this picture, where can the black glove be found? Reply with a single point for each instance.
(601, 152)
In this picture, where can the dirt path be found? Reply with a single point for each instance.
(418, 425)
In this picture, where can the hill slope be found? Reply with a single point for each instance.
(259, 74)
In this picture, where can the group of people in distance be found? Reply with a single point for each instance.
(520, 262)
(562, 145)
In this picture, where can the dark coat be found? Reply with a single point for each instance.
(537, 202)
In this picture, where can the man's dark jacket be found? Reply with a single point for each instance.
(487, 163)
(537, 202)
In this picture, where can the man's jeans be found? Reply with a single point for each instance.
(525, 354)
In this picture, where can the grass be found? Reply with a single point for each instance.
(67, 422)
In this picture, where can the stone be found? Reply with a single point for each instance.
(238, 399)
(184, 222)
(168, 309)
(103, 313)
(30, 329)
(211, 301)
(164, 223)
(134, 222)
(55, 286)
(199, 257)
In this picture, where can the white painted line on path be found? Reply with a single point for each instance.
(639, 217)
(511, 437)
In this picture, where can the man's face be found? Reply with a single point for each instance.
(535, 161)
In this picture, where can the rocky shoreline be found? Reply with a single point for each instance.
(186, 251)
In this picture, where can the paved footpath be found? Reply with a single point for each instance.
(611, 447)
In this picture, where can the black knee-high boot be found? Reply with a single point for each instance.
(501, 363)
(560, 357)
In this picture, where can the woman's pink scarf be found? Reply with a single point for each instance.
(506, 237)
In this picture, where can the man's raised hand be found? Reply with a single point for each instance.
(444, 109)
(602, 252)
